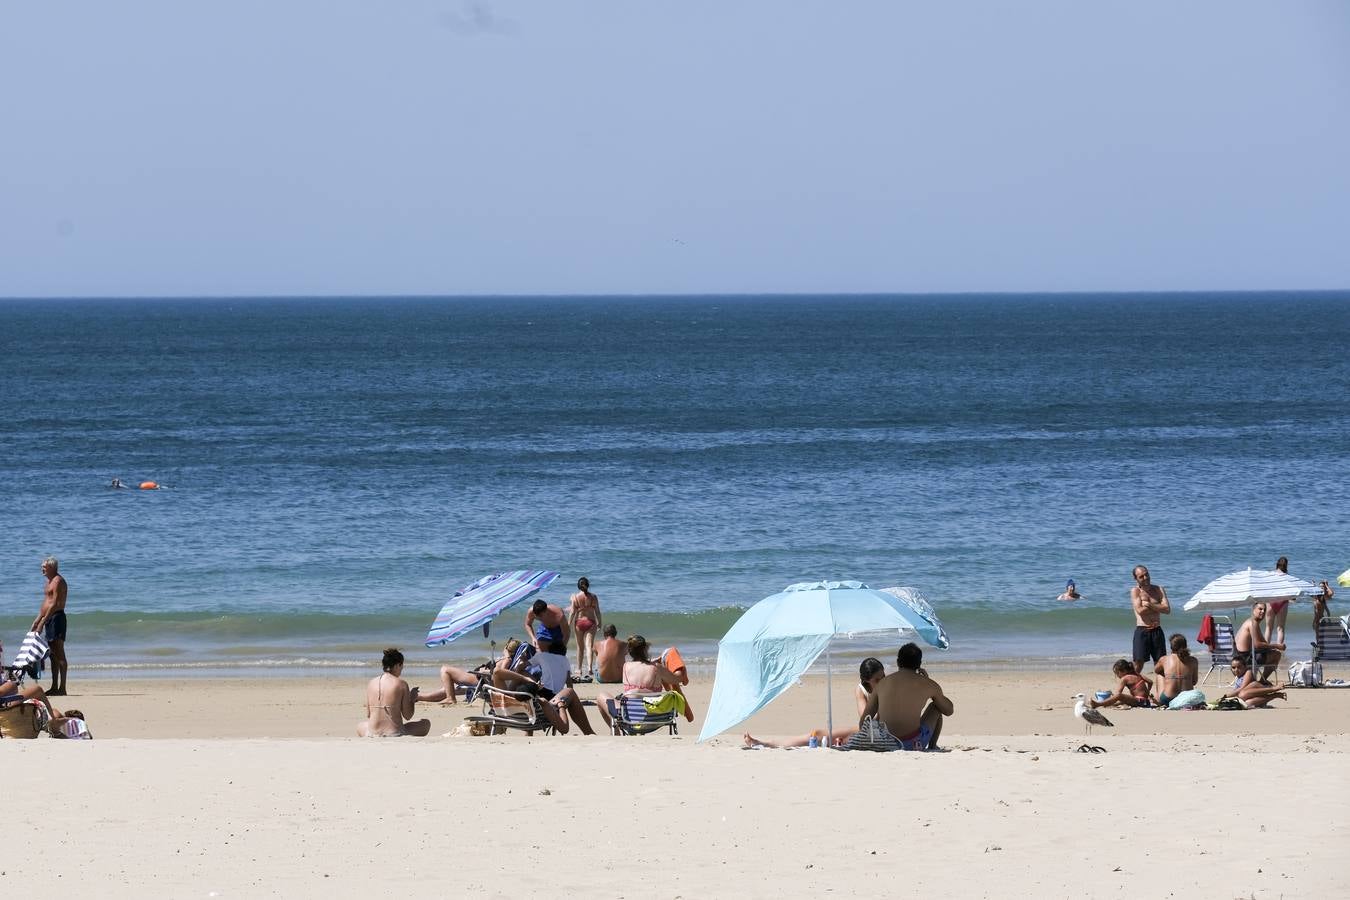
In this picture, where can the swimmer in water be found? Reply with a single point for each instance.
(1070, 593)
(116, 483)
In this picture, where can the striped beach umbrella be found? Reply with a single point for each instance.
(478, 604)
(1248, 587)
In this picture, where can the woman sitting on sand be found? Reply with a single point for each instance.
(869, 673)
(1177, 672)
(390, 703)
(1131, 689)
(1252, 693)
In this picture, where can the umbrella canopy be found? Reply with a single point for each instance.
(919, 603)
(778, 639)
(481, 602)
(1344, 579)
(1248, 587)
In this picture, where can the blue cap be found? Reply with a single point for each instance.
(1070, 584)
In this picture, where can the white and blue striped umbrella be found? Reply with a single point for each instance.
(1248, 587)
(485, 599)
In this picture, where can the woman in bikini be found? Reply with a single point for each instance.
(390, 703)
(584, 617)
(1277, 610)
(1177, 672)
(1131, 689)
(640, 675)
(869, 673)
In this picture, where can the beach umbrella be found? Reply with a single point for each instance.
(778, 639)
(1248, 588)
(485, 599)
(1344, 579)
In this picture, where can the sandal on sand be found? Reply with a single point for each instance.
(1085, 748)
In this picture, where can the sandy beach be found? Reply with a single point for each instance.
(242, 788)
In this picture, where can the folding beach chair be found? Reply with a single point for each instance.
(505, 710)
(629, 714)
(1221, 654)
(1332, 641)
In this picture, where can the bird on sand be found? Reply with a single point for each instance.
(1089, 716)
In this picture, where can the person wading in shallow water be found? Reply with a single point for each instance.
(584, 618)
(51, 622)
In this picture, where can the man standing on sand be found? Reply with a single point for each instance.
(1150, 605)
(51, 622)
(545, 621)
(909, 702)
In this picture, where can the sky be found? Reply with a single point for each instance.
(621, 146)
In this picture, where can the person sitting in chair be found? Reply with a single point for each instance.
(640, 676)
(549, 671)
(1249, 638)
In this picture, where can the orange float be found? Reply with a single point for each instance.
(149, 486)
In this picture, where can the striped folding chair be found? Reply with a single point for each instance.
(628, 714)
(1332, 641)
(1221, 654)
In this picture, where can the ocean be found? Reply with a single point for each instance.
(334, 469)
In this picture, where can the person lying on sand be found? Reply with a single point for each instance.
(1246, 688)
(1131, 689)
(1178, 671)
(869, 674)
(909, 703)
(390, 703)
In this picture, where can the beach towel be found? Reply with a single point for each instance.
(670, 701)
(1191, 699)
(32, 654)
(1207, 635)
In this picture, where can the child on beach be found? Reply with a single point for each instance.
(1131, 689)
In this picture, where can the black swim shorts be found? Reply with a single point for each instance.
(55, 629)
(1149, 643)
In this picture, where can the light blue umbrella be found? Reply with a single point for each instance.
(778, 639)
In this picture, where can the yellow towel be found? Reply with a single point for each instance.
(670, 701)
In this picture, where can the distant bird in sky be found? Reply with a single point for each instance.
(1090, 717)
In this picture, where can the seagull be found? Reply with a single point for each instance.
(1089, 716)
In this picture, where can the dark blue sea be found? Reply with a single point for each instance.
(333, 469)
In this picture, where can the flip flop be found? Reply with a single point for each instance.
(1086, 748)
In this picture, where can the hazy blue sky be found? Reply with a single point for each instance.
(408, 146)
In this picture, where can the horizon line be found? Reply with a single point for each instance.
(672, 295)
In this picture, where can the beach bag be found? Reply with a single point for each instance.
(1305, 674)
(872, 734)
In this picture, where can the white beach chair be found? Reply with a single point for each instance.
(1221, 654)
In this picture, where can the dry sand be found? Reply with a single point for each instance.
(253, 788)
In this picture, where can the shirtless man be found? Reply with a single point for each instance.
(1070, 593)
(584, 619)
(1150, 605)
(546, 620)
(1249, 638)
(51, 622)
(390, 703)
(1178, 671)
(909, 702)
(609, 657)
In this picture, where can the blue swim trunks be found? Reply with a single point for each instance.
(919, 740)
(553, 635)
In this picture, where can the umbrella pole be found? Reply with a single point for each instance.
(829, 700)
